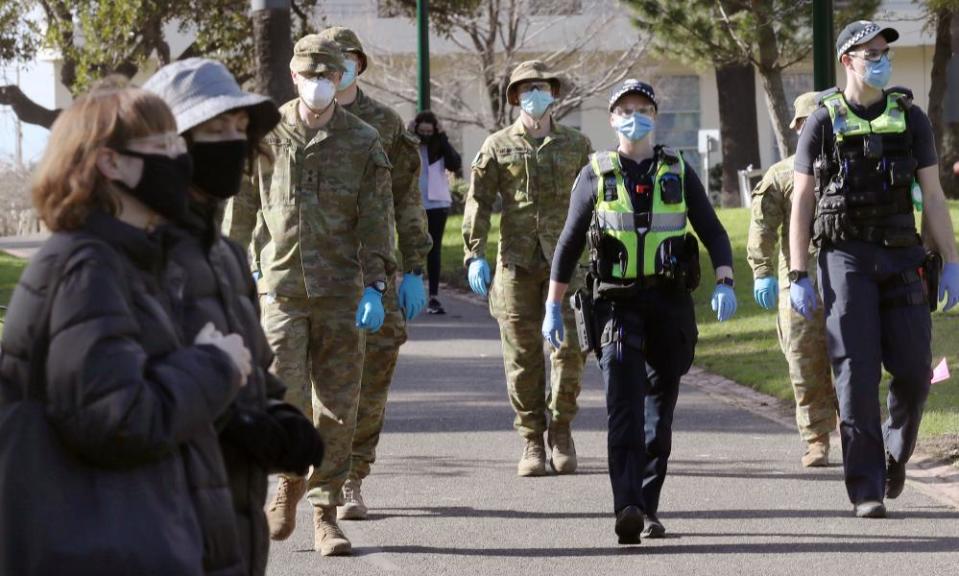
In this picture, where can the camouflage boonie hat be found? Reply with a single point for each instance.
(348, 42)
(529, 71)
(805, 104)
(315, 55)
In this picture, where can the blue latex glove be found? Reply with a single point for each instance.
(553, 324)
(803, 297)
(479, 276)
(765, 291)
(724, 302)
(949, 284)
(369, 314)
(411, 296)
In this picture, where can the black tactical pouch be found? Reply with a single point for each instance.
(872, 146)
(693, 273)
(931, 271)
(902, 172)
(671, 188)
(582, 304)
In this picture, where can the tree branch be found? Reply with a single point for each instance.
(26, 109)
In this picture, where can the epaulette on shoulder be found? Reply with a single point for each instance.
(903, 96)
(605, 161)
(668, 155)
(826, 94)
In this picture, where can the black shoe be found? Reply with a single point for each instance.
(629, 524)
(895, 477)
(434, 307)
(870, 509)
(654, 528)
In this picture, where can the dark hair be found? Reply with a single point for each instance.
(425, 117)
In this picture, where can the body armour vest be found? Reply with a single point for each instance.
(863, 185)
(627, 246)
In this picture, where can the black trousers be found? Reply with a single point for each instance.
(648, 344)
(868, 326)
(436, 223)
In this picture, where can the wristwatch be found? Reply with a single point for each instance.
(797, 275)
(725, 282)
(379, 286)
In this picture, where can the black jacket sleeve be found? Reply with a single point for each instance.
(111, 403)
(452, 159)
(705, 222)
(572, 240)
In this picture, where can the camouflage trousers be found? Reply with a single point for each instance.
(517, 300)
(382, 351)
(803, 342)
(319, 355)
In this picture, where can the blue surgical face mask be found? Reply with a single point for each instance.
(636, 126)
(349, 75)
(878, 73)
(535, 102)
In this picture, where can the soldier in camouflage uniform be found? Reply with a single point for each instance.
(383, 347)
(531, 165)
(320, 222)
(803, 341)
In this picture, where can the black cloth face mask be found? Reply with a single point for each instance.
(218, 167)
(164, 185)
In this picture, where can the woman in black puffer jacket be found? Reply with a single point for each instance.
(128, 400)
(223, 126)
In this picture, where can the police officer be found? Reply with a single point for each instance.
(866, 157)
(401, 305)
(531, 165)
(633, 204)
(803, 342)
(321, 223)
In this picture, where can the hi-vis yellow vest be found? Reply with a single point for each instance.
(615, 218)
(845, 123)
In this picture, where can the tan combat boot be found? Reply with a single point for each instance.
(533, 461)
(281, 515)
(563, 450)
(353, 507)
(328, 539)
(817, 452)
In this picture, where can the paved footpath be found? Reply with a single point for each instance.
(445, 499)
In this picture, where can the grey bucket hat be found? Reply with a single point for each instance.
(198, 89)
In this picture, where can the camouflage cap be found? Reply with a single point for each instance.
(348, 41)
(804, 105)
(313, 54)
(529, 71)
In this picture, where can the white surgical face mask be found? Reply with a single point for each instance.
(316, 93)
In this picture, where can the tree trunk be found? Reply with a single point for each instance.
(737, 125)
(772, 80)
(937, 93)
(778, 108)
(26, 109)
(273, 50)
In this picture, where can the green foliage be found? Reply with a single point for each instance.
(96, 38)
(18, 31)
(444, 14)
(701, 32)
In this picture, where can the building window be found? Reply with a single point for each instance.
(678, 121)
(555, 7)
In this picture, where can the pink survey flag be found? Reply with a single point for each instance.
(940, 372)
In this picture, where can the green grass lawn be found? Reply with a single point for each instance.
(10, 269)
(745, 349)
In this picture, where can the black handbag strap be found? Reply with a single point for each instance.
(41, 344)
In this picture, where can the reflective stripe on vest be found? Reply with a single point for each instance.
(846, 123)
(616, 218)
